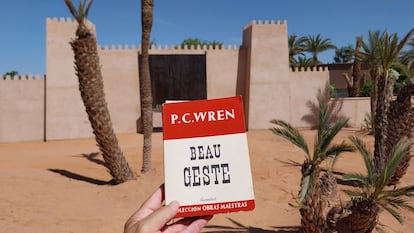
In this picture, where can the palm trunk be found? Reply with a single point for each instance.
(312, 220)
(374, 73)
(93, 96)
(401, 124)
(364, 216)
(145, 84)
(356, 69)
(381, 121)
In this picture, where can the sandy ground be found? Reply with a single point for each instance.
(61, 186)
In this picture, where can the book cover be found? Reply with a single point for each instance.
(206, 157)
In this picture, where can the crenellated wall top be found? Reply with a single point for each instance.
(166, 48)
(266, 22)
(313, 68)
(61, 20)
(190, 48)
(23, 77)
(119, 47)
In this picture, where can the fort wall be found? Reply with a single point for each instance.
(304, 86)
(22, 108)
(51, 108)
(268, 76)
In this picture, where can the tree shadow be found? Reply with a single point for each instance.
(334, 108)
(240, 228)
(79, 177)
(92, 157)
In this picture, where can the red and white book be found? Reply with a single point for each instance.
(206, 157)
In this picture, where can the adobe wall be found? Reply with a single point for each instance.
(121, 86)
(66, 116)
(356, 109)
(258, 70)
(304, 86)
(65, 113)
(268, 75)
(22, 108)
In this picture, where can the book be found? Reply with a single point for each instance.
(206, 157)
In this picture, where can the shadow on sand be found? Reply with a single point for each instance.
(240, 228)
(92, 157)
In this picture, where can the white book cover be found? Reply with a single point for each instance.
(206, 157)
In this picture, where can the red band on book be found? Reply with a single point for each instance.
(199, 119)
(215, 208)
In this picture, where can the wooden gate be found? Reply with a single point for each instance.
(178, 77)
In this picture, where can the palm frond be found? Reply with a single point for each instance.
(353, 193)
(397, 203)
(81, 13)
(330, 134)
(367, 156)
(304, 188)
(291, 134)
(407, 191)
(335, 150)
(87, 8)
(394, 213)
(72, 9)
(307, 184)
(355, 177)
(398, 153)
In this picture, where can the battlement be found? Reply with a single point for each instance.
(266, 22)
(118, 47)
(159, 48)
(68, 24)
(23, 77)
(193, 48)
(320, 68)
(61, 20)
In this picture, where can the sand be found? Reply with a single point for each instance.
(61, 186)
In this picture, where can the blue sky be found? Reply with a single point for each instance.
(118, 22)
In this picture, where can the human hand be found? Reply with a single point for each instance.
(152, 217)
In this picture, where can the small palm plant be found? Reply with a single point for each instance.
(373, 196)
(310, 195)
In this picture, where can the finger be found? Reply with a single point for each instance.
(149, 206)
(189, 225)
(159, 218)
(198, 224)
(153, 203)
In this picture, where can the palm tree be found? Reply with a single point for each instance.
(389, 50)
(373, 196)
(344, 54)
(400, 125)
(311, 203)
(301, 62)
(145, 83)
(407, 58)
(296, 47)
(356, 68)
(92, 92)
(317, 44)
(369, 55)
